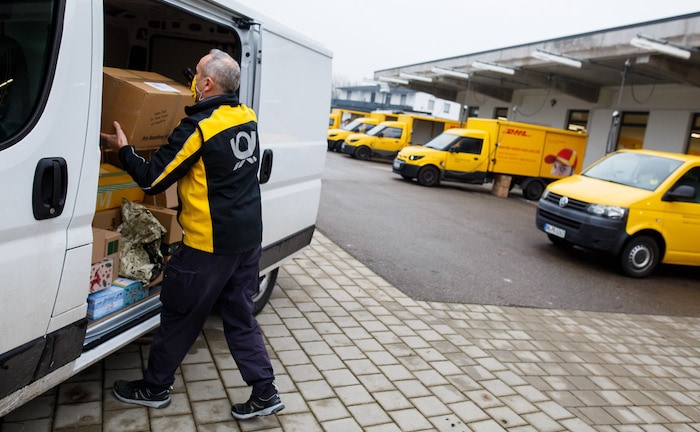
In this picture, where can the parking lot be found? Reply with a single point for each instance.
(459, 243)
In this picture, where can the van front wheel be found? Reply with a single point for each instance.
(362, 153)
(429, 176)
(640, 256)
(267, 283)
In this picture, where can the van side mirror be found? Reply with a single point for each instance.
(681, 193)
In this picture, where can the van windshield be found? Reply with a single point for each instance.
(441, 142)
(353, 126)
(633, 169)
(376, 130)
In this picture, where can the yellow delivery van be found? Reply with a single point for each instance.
(641, 206)
(531, 155)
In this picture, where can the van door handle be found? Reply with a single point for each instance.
(266, 166)
(50, 188)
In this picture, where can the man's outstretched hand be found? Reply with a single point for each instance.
(116, 140)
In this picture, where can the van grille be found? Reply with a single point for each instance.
(558, 219)
(572, 204)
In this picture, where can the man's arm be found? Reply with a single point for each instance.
(162, 170)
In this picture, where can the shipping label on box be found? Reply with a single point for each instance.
(101, 275)
(147, 105)
(115, 184)
(104, 302)
(134, 290)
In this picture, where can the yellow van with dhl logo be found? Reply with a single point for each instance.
(489, 150)
(641, 206)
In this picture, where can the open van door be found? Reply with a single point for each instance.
(45, 234)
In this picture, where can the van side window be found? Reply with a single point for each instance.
(392, 132)
(470, 145)
(25, 35)
(691, 178)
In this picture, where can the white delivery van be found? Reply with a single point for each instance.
(52, 54)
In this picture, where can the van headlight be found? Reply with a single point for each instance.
(545, 194)
(415, 157)
(610, 212)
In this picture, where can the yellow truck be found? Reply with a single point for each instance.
(336, 137)
(531, 155)
(387, 138)
(339, 117)
(640, 206)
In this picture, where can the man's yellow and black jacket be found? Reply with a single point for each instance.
(213, 155)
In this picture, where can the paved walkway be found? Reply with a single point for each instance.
(353, 353)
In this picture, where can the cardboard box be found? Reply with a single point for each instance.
(165, 199)
(134, 290)
(168, 218)
(104, 302)
(501, 185)
(146, 104)
(106, 244)
(109, 219)
(101, 275)
(113, 185)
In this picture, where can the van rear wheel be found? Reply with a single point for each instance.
(532, 188)
(429, 176)
(640, 256)
(267, 283)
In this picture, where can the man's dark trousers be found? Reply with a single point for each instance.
(195, 281)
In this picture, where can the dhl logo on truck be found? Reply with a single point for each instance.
(518, 132)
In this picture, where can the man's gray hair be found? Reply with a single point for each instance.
(223, 70)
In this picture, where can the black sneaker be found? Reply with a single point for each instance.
(266, 404)
(137, 392)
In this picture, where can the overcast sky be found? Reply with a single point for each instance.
(370, 35)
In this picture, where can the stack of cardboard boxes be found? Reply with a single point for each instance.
(148, 106)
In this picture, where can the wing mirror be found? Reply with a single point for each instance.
(681, 193)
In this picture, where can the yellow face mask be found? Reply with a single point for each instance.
(196, 94)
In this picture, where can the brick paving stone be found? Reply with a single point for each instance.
(519, 404)
(410, 420)
(329, 409)
(212, 411)
(78, 415)
(505, 417)
(127, 420)
(497, 387)
(36, 425)
(205, 390)
(173, 423)
(412, 388)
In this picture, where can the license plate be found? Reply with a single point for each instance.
(556, 231)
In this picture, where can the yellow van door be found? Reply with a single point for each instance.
(389, 140)
(682, 223)
(466, 155)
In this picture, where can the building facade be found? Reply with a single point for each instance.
(636, 86)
